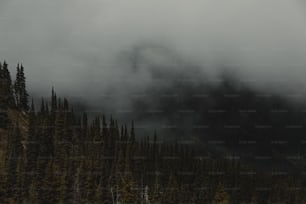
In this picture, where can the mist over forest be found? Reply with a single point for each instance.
(105, 53)
(142, 102)
(92, 41)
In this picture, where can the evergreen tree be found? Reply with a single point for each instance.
(127, 185)
(58, 157)
(171, 191)
(33, 193)
(99, 193)
(14, 155)
(221, 196)
(49, 184)
(21, 93)
(133, 139)
(53, 101)
(6, 90)
(32, 141)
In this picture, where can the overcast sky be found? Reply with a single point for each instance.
(72, 42)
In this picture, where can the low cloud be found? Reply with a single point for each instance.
(75, 45)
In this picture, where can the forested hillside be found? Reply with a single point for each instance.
(51, 154)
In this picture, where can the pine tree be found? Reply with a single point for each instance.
(20, 193)
(33, 193)
(6, 95)
(17, 87)
(21, 93)
(53, 101)
(221, 196)
(32, 142)
(105, 133)
(100, 192)
(49, 183)
(127, 185)
(6, 90)
(77, 185)
(14, 155)
(67, 130)
(85, 122)
(2, 184)
(171, 191)
(46, 143)
(59, 126)
(133, 139)
(24, 94)
(63, 188)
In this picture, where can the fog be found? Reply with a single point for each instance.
(96, 47)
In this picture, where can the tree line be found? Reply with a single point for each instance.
(51, 154)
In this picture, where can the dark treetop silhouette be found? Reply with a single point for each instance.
(56, 155)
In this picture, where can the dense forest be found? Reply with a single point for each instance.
(50, 153)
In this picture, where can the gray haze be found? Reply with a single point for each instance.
(85, 47)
